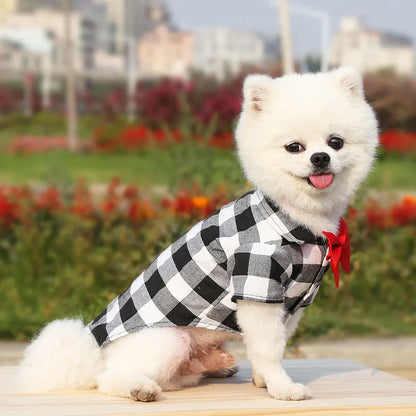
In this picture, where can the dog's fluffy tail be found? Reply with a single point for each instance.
(64, 356)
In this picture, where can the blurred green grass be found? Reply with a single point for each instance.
(179, 165)
(42, 124)
(176, 166)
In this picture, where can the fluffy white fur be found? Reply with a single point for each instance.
(308, 109)
(63, 357)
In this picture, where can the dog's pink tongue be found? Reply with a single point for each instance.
(321, 181)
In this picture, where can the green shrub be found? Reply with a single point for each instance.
(65, 265)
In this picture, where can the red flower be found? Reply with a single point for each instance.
(82, 207)
(32, 144)
(109, 206)
(9, 210)
(176, 136)
(222, 141)
(398, 141)
(49, 200)
(399, 214)
(135, 137)
(20, 193)
(160, 136)
(168, 203)
(183, 203)
(130, 192)
(139, 211)
(352, 214)
(376, 215)
(405, 212)
(193, 204)
(112, 187)
(81, 204)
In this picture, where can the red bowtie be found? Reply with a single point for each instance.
(339, 249)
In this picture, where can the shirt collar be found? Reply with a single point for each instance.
(287, 228)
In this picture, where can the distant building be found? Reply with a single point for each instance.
(372, 50)
(7, 7)
(24, 48)
(91, 33)
(133, 18)
(164, 52)
(223, 51)
(272, 49)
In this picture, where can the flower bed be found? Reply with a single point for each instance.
(17, 204)
(108, 139)
(137, 137)
(22, 205)
(70, 251)
(36, 144)
(398, 141)
(400, 213)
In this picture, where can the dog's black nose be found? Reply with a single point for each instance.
(320, 160)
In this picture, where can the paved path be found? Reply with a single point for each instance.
(395, 355)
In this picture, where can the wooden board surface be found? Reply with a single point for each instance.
(339, 387)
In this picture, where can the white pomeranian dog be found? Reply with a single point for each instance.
(306, 142)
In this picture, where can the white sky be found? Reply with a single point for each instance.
(397, 16)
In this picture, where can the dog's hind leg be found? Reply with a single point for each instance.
(219, 363)
(128, 384)
(143, 364)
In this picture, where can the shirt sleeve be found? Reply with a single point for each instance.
(258, 272)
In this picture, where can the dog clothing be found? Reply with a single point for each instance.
(249, 249)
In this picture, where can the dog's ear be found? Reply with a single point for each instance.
(256, 91)
(350, 79)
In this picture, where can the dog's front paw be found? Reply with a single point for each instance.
(290, 391)
(258, 380)
(147, 392)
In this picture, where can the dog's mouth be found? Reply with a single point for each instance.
(320, 181)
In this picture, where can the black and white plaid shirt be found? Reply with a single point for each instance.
(248, 250)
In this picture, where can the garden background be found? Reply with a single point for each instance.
(77, 227)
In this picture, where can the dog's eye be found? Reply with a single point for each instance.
(336, 143)
(294, 147)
